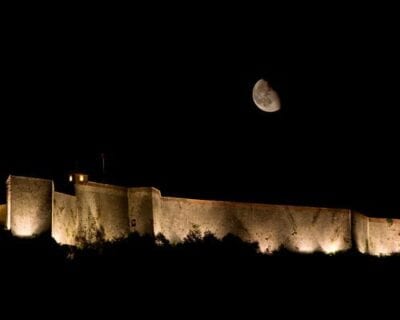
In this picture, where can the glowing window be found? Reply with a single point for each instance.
(81, 178)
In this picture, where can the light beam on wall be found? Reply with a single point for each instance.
(307, 246)
(24, 227)
(332, 247)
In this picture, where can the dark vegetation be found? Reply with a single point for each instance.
(198, 253)
(203, 272)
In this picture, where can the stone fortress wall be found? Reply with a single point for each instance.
(29, 205)
(65, 222)
(376, 236)
(300, 229)
(100, 212)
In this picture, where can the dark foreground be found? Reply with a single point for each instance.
(135, 271)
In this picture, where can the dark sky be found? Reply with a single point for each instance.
(168, 100)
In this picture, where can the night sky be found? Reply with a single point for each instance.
(168, 101)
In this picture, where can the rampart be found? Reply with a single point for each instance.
(376, 236)
(29, 205)
(301, 229)
(101, 212)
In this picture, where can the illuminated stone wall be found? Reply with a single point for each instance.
(360, 227)
(3, 215)
(317, 229)
(144, 205)
(103, 212)
(302, 229)
(29, 205)
(65, 221)
(178, 216)
(376, 236)
(383, 236)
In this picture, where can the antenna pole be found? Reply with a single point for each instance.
(103, 164)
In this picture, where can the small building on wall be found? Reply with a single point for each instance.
(78, 177)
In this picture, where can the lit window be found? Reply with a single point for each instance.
(70, 178)
(81, 178)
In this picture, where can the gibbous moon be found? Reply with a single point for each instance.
(265, 98)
